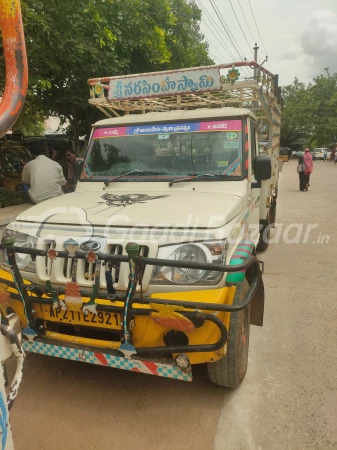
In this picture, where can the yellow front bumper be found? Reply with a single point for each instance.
(145, 331)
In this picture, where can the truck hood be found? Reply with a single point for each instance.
(138, 207)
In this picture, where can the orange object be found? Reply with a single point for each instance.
(173, 320)
(72, 296)
(16, 64)
(11, 183)
(4, 295)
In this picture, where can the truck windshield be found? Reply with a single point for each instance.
(162, 151)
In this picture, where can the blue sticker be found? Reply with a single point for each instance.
(233, 168)
(163, 128)
(3, 421)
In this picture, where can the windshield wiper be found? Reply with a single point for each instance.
(201, 175)
(142, 172)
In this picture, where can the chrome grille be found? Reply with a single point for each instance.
(49, 262)
(44, 265)
(144, 251)
(115, 249)
(63, 270)
(67, 267)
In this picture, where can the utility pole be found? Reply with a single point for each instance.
(255, 59)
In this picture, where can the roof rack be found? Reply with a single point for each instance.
(198, 87)
(201, 87)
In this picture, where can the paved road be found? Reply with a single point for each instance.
(288, 399)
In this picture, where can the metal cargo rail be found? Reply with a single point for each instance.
(186, 89)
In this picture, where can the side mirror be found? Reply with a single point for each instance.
(262, 167)
(77, 169)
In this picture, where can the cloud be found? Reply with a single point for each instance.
(319, 40)
(290, 53)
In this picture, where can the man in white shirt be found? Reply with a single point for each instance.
(45, 178)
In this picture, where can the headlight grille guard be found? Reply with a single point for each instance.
(29, 294)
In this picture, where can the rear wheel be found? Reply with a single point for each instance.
(264, 238)
(230, 370)
(272, 215)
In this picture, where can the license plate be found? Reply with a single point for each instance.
(102, 319)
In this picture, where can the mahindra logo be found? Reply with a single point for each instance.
(90, 246)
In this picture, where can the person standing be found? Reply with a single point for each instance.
(332, 154)
(325, 154)
(71, 157)
(304, 169)
(44, 177)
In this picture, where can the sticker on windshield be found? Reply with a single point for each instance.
(234, 169)
(109, 132)
(231, 140)
(221, 125)
(230, 144)
(222, 163)
(164, 129)
(163, 136)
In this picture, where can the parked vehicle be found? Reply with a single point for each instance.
(150, 264)
(284, 154)
(318, 153)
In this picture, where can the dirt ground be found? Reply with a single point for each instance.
(288, 399)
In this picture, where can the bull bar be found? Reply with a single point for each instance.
(34, 293)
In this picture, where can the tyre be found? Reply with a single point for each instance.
(230, 370)
(264, 238)
(272, 218)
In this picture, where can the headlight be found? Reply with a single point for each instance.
(23, 261)
(198, 252)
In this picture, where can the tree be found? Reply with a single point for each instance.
(296, 115)
(323, 94)
(184, 39)
(31, 120)
(70, 42)
(310, 111)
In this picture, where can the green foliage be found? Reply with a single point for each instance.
(183, 36)
(31, 120)
(10, 198)
(310, 111)
(70, 42)
(11, 158)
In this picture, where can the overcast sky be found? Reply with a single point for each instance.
(300, 36)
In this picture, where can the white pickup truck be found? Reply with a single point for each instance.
(150, 265)
(318, 153)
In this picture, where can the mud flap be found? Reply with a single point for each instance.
(257, 306)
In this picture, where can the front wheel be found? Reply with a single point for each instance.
(230, 370)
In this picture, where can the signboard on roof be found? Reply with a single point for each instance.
(192, 81)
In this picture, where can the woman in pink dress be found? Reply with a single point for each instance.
(305, 168)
